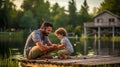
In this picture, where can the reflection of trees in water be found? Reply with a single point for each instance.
(4, 49)
(97, 47)
(7, 45)
(85, 47)
(107, 48)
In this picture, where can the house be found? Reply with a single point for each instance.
(104, 22)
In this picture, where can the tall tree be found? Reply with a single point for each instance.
(84, 9)
(58, 16)
(39, 8)
(2, 16)
(111, 5)
(47, 9)
(28, 21)
(6, 13)
(60, 19)
(72, 13)
(83, 13)
(55, 9)
(27, 5)
(83, 16)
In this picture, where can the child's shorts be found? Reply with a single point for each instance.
(64, 51)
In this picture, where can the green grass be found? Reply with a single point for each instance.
(7, 62)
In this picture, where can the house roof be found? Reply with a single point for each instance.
(106, 11)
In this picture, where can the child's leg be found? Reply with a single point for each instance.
(64, 54)
(46, 57)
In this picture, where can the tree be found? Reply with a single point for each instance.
(78, 30)
(60, 19)
(28, 21)
(111, 5)
(72, 13)
(95, 11)
(55, 10)
(39, 8)
(47, 9)
(83, 16)
(58, 16)
(27, 5)
(69, 28)
(2, 17)
(83, 13)
(6, 13)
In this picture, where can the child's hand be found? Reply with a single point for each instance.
(58, 46)
(55, 45)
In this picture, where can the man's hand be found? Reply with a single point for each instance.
(41, 46)
(53, 47)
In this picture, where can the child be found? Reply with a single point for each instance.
(65, 47)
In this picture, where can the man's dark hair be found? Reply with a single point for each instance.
(46, 24)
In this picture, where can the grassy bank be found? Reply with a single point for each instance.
(103, 38)
(6, 62)
(12, 35)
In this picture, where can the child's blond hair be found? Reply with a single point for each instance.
(61, 31)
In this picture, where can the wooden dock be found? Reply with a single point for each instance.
(85, 61)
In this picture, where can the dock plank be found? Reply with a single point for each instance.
(85, 61)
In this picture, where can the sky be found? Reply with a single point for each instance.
(64, 3)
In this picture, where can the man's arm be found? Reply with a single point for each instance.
(49, 43)
(41, 46)
(46, 47)
(51, 46)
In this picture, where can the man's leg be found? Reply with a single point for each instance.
(34, 52)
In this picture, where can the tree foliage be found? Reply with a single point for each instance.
(7, 13)
(55, 9)
(28, 24)
(58, 16)
(34, 12)
(83, 16)
(78, 30)
(111, 5)
(39, 8)
(83, 13)
(72, 13)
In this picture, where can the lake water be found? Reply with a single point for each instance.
(13, 47)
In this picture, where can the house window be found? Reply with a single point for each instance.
(111, 20)
(99, 20)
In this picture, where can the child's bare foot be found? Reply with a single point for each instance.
(46, 57)
(67, 57)
(60, 57)
(64, 57)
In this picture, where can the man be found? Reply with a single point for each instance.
(38, 43)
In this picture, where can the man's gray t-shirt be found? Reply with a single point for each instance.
(34, 37)
(68, 44)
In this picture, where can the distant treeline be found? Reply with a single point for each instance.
(34, 12)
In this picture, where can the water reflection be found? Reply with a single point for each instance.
(11, 47)
(100, 47)
(83, 47)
